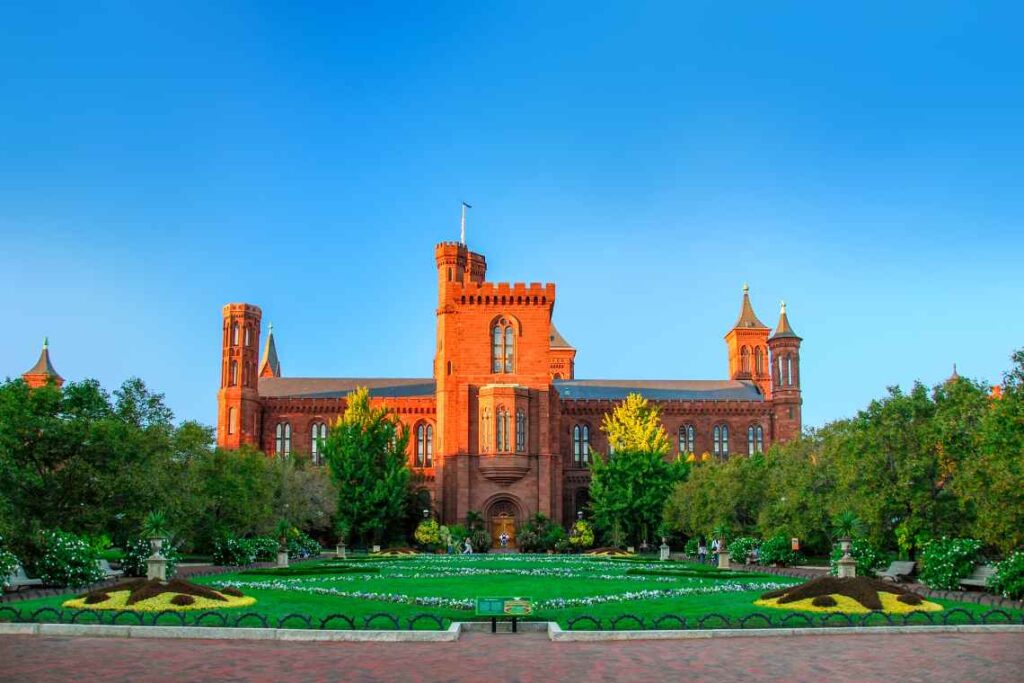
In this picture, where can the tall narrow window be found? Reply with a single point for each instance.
(745, 359)
(586, 444)
(424, 445)
(316, 442)
(247, 341)
(686, 438)
(790, 379)
(234, 334)
(755, 439)
(501, 431)
(581, 445)
(520, 431)
(234, 373)
(485, 431)
(503, 345)
(720, 436)
(577, 450)
(232, 421)
(283, 439)
(758, 360)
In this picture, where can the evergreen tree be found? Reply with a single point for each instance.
(366, 455)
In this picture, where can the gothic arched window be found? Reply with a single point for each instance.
(502, 440)
(234, 334)
(283, 439)
(687, 436)
(581, 445)
(317, 437)
(485, 430)
(424, 445)
(744, 359)
(234, 373)
(755, 439)
(520, 431)
(503, 346)
(720, 440)
(758, 360)
(232, 420)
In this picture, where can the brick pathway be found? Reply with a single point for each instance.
(525, 657)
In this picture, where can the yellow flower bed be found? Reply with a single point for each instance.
(846, 605)
(161, 603)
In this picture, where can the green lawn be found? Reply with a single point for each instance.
(562, 587)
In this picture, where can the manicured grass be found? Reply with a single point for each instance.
(562, 587)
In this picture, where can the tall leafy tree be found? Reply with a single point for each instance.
(629, 487)
(366, 454)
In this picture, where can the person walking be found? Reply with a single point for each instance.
(702, 551)
(714, 552)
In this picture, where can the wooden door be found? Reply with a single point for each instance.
(503, 524)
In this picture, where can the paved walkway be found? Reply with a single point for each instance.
(524, 658)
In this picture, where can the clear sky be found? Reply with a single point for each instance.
(864, 162)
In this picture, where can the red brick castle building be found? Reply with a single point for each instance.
(503, 426)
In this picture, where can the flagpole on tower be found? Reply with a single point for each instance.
(462, 233)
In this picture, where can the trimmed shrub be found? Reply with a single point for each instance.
(581, 536)
(137, 552)
(947, 560)
(480, 540)
(740, 547)
(428, 534)
(68, 560)
(8, 562)
(1009, 579)
(691, 547)
(301, 545)
(777, 551)
(230, 551)
(869, 559)
(263, 548)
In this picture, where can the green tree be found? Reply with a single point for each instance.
(717, 494)
(366, 454)
(628, 489)
(991, 482)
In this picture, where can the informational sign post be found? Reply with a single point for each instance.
(503, 608)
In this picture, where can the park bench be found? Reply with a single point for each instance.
(979, 577)
(898, 571)
(108, 571)
(503, 608)
(19, 579)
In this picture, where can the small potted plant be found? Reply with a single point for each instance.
(342, 530)
(283, 529)
(847, 525)
(154, 527)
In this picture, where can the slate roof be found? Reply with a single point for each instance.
(43, 366)
(325, 387)
(658, 389)
(270, 356)
(557, 340)
(783, 329)
(747, 318)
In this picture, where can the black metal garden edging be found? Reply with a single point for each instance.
(759, 620)
(376, 621)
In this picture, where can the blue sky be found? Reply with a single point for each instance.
(863, 162)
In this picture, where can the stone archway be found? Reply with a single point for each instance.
(503, 514)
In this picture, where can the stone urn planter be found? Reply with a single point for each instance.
(156, 564)
(340, 551)
(847, 566)
(663, 549)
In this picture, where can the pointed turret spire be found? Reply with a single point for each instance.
(955, 376)
(747, 318)
(269, 365)
(43, 371)
(783, 329)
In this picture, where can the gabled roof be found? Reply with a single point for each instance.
(270, 366)
(339, 387)
(747, 318)
(658, 389)
(557, 340)
(783, 329)
(43, 366)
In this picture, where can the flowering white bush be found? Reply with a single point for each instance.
(68, 560)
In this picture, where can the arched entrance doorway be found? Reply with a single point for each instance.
(502, 516)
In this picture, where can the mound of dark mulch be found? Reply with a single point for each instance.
(910, 599)
(143, 589)
(182, 600)
(98, 596)
(824, 601)
(862, 589)
(232, 591)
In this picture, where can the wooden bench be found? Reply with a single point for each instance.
(979, 577)
(898, 571)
